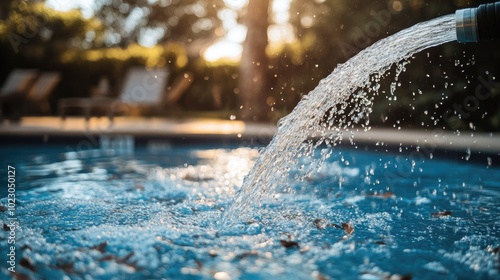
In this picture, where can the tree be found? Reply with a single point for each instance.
(32, 31)
(254, 80)
(128, 21)
(333, 31)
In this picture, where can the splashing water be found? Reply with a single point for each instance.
(338, 103)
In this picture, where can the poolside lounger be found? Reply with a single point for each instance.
(142, 88)
(40, 91)
(16, 87)
(179, 86)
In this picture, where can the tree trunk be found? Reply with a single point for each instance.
(253, 77)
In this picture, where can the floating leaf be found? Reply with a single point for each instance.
(335, 226)
(289, 244)
(26, 263)
(320, 223)
(100, 247)
(20, 276)
(124, 260)
(348, 228)
(247, 254)
(67, 267)
(381, 195)
(442, 214)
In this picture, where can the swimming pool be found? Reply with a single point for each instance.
(154, 213)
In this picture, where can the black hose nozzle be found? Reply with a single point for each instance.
(477, 24)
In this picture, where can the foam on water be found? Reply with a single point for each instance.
(347, 86)
(151, 215)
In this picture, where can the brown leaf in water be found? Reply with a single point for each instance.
(442, 214)
(289, 244)
(100, 247)
(26, 247)
(493, 250)
(124, 260)
(335, 226)
(381, 195)
(199, 265)
(67, 267)
(321, 277)
(348, 228)
(20, 276)
(252, 253)
(320, 223)
(26, 263)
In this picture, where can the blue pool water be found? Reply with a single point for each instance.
(149, 214)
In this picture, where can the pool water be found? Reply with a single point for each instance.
(155, 213)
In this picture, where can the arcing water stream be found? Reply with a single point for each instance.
(332, 98)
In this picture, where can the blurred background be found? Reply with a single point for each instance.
(250, 60)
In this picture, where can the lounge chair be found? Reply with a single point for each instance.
(15, 88)
(143, 88)
(179, 86)
(38, 95)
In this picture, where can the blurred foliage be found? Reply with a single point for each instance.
(436, 90)
(330, 32)
(169, 20)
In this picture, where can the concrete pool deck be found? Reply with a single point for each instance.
(45, 129)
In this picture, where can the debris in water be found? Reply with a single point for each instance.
(20, 276)
(441, 214)
(493, 250)
(381, 195)
(349, 229)
(3, 208)
(100, 247)
(125, 260)
(27, 263)
(67, 267)
(385, 276)
(252, 253)
(320, 223)
(289, 244)
(335, 226)
(6, 227)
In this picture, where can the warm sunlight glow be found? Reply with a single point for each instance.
(228, 47)
(236, 4)
(223, 50)
(86, 6)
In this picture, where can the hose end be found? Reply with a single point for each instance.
(466, 25)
